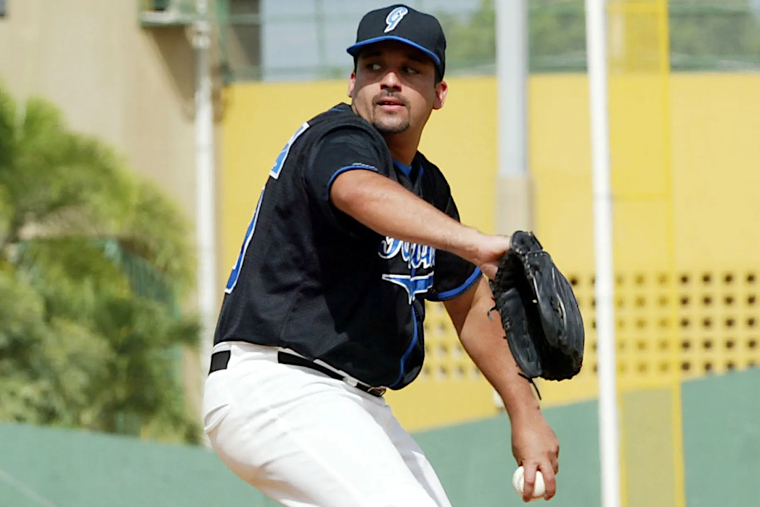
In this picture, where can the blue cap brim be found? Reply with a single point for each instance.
(356, 48)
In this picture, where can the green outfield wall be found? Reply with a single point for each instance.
(65, 468)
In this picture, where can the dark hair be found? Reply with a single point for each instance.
(438, 76)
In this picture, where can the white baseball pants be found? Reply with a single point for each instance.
(305, 439)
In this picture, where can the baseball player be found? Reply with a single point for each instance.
(324, 307)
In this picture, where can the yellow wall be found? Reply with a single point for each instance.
(715, 120)
(716, 164)
(715, 159)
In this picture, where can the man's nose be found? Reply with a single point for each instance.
(390, 81)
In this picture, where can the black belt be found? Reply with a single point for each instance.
(219, 361)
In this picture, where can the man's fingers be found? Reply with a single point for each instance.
(550, 480)
(489, 270)
(555, 460)
(529, 480)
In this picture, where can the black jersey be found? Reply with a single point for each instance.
(313, 279)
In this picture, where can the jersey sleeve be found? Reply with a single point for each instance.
(343, 150)
(453, 274)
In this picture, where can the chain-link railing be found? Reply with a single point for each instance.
(306, 39)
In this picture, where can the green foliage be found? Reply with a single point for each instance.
(704, 35)
(557, 36)
(92, 262)
(155, 231)
(715, 35)
(471, 43)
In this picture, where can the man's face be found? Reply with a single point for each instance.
(394, 88)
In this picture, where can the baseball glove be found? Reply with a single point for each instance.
(539, 311)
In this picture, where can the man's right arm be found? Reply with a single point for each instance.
(391, 210)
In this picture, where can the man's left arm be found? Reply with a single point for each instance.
(534, 444)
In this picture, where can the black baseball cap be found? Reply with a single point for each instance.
(404, 24)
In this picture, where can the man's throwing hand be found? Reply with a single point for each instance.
(535, 447)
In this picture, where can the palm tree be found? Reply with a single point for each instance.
(92, 264)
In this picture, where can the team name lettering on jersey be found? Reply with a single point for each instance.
(416, 257)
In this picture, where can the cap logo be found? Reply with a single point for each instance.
(395, 16)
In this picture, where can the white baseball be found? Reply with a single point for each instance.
(518, 481)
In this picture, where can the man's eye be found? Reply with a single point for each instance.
(410, 70)
(373, 66)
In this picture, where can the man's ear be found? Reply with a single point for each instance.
(351, 84)
(441, 90)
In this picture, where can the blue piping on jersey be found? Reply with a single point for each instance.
(414, 336)
(235, 274)
(450, 294)
(344, 169)
(277, 167)
(408, 351)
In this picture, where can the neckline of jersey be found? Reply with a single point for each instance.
(406, 169)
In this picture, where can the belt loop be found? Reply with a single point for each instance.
(219, 361)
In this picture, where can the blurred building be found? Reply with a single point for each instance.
(124, 71)
(129, 82)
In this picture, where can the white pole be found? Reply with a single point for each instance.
(605, 317)
(512, 190)
(512, 79)
(205, 212)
